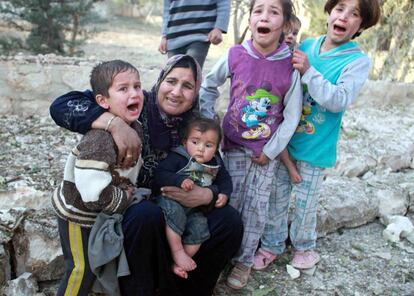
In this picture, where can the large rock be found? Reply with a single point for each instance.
(23, 195)
(24, 285)
(10, 220)
(5, 268)
(344, 203)
(31, 82)
(37, 246)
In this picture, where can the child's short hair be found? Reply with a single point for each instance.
(203, 124)
(103, 74)
(289, 27)
(287, 6)
(294, 19)
(370, 11)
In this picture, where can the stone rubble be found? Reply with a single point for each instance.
(354, 193)
(373, 179)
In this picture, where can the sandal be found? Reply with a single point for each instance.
(262, 259)
(238, 276)
(305, 259)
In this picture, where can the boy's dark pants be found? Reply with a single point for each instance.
(78, 277)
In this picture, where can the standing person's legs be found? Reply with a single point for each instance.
(226, 232)
(237, 163)
(78, 277)
(255, 209)
(276, 229)
(254, 215)
(147, 251)
(197, 50)
(303, 227)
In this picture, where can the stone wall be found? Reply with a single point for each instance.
(28, 84)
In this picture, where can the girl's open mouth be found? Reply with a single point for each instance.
(263, 30)
(339, 28)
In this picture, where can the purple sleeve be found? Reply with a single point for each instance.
(75, 111)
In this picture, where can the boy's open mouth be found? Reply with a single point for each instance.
(263, 30)
(133, 107)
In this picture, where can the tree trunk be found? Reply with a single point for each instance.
(75, 29)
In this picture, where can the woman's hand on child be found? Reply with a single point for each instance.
(261, 160)
(187, 184)
(127, 141)
(221, 200)
(300, 61)
(198, 196)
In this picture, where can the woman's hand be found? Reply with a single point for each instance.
(261, 160)
(127, 141)
(198, 196)
(125, 137)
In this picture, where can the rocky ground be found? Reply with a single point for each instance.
(375, 154)
(355, 261)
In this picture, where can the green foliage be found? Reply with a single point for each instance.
(55, 25)
(314, 9)
(389, 44)
(9, 44)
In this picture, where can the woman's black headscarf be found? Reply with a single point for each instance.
(162, 131)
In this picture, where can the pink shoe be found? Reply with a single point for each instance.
(305, 259)
(262, 259)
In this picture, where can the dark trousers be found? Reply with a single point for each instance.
(150, 260)
(197, 50)
(78, 277)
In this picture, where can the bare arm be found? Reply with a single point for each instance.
(125, 137)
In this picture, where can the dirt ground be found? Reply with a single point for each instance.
(354, 261)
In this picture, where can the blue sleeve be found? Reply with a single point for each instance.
(76, 111)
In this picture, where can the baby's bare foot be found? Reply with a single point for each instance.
(184, 261)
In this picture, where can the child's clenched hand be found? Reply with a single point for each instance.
(187, 184)
(221, 200)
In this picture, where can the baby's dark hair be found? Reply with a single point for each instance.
(370, 11)
(295, 19)
(103, 74)
(203, 124)
(287, 7)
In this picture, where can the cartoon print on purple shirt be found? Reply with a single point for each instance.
(254, 114)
